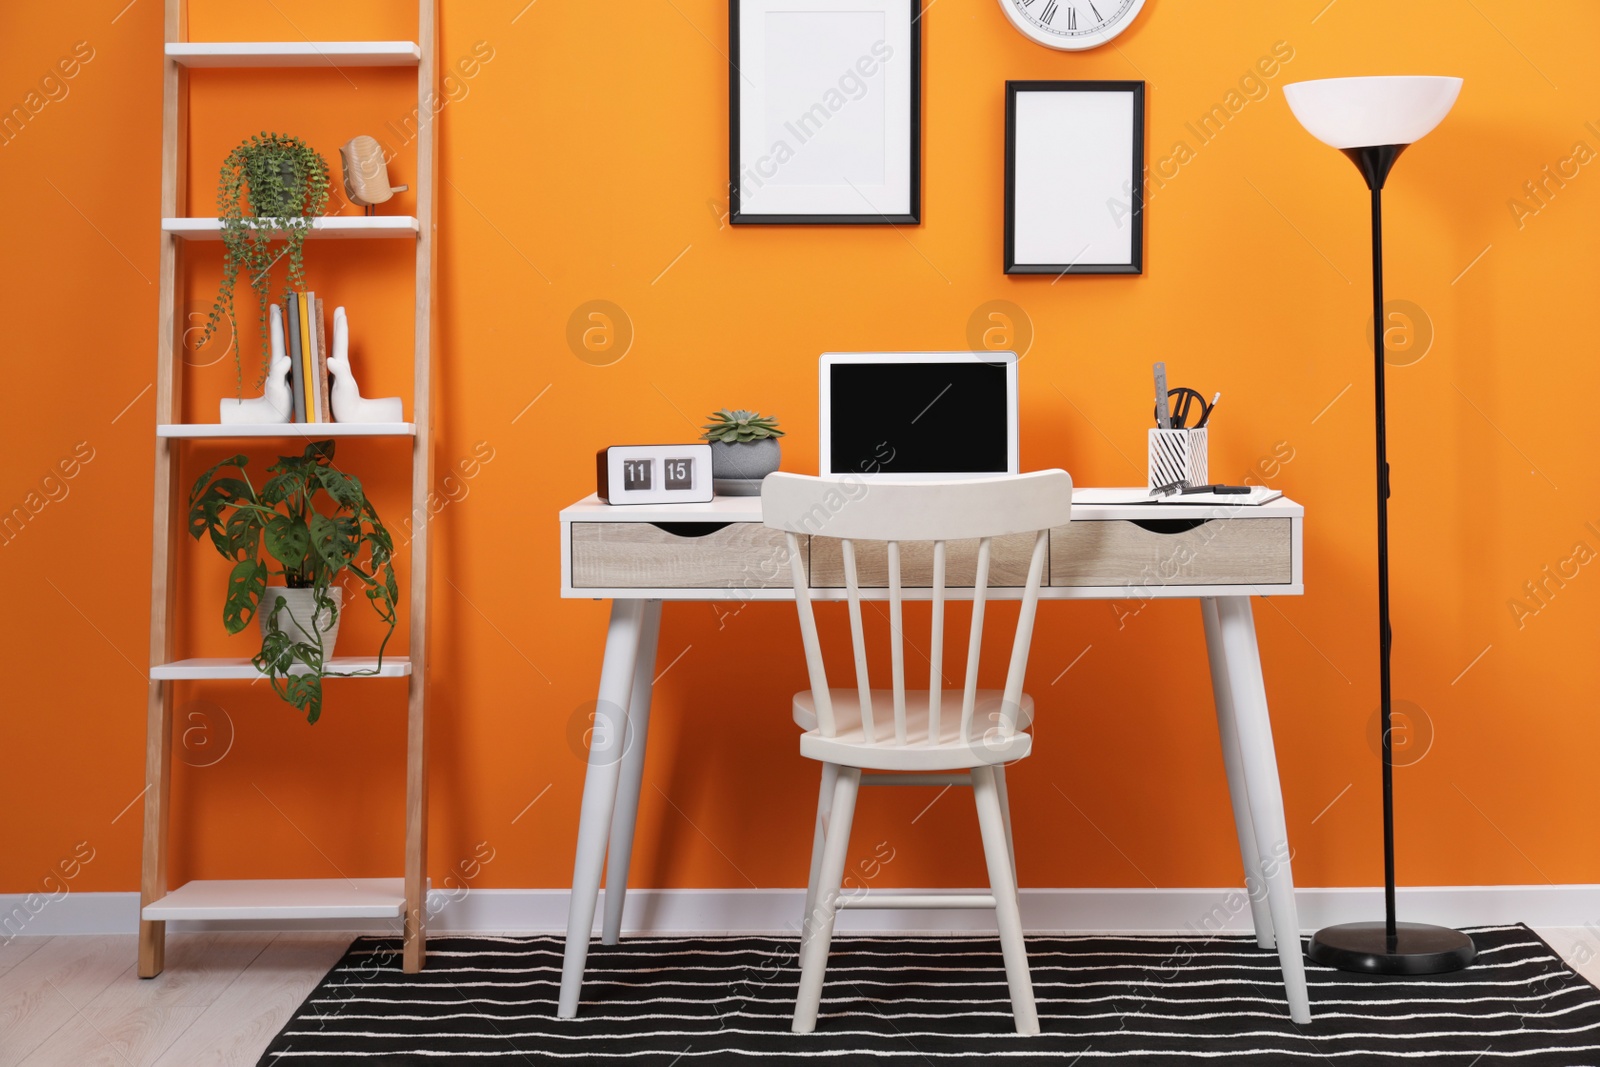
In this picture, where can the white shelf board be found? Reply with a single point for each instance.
(295, 53)
(240, 669)
(282, 898)
(346, 227)
(309, 431)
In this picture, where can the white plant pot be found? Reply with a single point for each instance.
(300, 603)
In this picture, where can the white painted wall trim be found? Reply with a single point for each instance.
(774, 911)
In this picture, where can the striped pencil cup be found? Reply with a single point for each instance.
(1177, 456)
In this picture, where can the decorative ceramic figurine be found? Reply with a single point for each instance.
(348, 403)
(275, 404)
(366, 174)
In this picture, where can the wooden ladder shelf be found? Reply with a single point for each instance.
(283, 900)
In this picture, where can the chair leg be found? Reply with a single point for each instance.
(1005, 815)
(818, 936)
(830, 774)
(1004, 887)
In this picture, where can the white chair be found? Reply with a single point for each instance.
(914, 734)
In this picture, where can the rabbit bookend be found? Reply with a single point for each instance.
(275, 403)
(348, 403)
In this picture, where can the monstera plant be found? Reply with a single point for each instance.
(280, 530)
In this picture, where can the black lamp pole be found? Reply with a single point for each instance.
(1390, 947)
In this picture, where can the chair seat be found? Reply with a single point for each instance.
(850, 747)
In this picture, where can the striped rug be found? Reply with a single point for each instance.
(1136, 1000)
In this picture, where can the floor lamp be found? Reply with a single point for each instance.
(1373, 120)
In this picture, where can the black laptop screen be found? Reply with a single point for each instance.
(918, 418)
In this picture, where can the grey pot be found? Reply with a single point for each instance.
(274, 206)
(737, 469)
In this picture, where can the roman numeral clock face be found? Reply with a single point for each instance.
(1071, 24)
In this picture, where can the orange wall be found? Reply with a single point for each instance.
(589, 155)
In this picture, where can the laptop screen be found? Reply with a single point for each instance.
(904, 417)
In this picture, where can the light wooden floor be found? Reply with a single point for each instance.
(77, 1001)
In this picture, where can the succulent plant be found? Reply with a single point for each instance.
(737, 427)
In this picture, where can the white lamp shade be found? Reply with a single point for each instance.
(1364, 112)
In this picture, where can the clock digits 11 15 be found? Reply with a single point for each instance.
(654, 474)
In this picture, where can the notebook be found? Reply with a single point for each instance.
(297, 367)
(306, 358)
(319, 344)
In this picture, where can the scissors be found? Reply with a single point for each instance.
(1183, 401)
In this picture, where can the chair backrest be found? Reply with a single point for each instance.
(855, 510)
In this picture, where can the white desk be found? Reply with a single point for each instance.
(638, 556)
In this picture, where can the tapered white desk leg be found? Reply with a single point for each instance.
(1259, 761)
(619, 853)
(600, 790)
(1227, 727)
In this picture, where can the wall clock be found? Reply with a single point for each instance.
(1071, 24)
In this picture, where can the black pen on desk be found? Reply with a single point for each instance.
(1209, 409)
(1218, 490)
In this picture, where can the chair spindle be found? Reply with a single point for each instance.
(897, 644)
(858, 638)
(980, 594)
(936, 645)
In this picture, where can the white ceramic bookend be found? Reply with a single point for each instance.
(345, 394)
(275, 403)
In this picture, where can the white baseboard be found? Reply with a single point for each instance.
(776, 911)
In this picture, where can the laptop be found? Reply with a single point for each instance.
(918, 416)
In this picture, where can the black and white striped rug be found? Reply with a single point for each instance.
(1144, 1000)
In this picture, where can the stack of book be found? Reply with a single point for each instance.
(308, 356)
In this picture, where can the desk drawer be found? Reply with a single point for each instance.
(1008, 563)
(1113, 552)
(642, 555)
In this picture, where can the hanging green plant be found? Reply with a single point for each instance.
(287, 185)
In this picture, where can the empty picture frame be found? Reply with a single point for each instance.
(824, 111)
(1074, 177)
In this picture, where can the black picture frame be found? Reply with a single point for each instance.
(738, 216)
(1135, 264)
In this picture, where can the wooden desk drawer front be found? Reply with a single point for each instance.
(1111, 552)
(641, 555)
(1008, 563)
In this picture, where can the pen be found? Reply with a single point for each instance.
(1209, 409)
(1220, 490)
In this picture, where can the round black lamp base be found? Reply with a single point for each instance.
(1416, 948)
